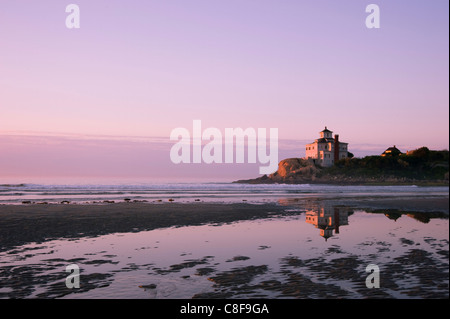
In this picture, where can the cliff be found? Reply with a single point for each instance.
(419, 167)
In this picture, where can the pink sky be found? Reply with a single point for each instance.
(141, 69)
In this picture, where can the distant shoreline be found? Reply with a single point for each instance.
(262, 180)
(428, 169)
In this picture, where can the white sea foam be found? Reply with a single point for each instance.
(17, 193)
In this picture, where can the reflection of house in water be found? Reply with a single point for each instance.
(327, 219)
(393, 215)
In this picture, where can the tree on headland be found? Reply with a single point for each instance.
(421, 164)
(422, 152)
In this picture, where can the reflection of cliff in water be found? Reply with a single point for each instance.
(419, 216)
(328, 218)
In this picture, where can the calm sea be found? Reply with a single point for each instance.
(220, 192)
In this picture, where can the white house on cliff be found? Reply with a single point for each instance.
(326, 150)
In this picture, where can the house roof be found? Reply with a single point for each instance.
(391, 150)
(325, 140)
(327, 130)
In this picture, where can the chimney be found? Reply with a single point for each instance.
(336, 148)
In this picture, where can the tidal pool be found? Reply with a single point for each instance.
(320, 252)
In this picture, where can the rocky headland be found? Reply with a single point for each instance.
(427, 169)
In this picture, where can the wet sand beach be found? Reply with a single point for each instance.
(21, 224)
(205, 250)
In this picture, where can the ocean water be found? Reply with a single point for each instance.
(218, 192)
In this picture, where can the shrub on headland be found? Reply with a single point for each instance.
(421, 165)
